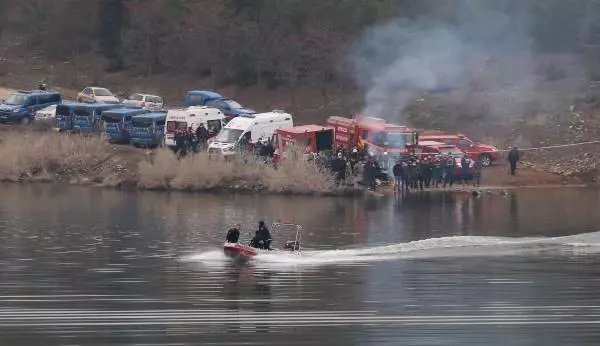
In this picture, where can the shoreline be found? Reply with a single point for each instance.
(381, 191)
(57, 158)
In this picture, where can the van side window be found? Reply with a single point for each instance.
(449, 141)
(87, 91)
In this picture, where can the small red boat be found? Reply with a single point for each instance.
(241, 251)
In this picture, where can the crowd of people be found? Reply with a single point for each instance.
(436, 171)
(405, 172)
(189, 141)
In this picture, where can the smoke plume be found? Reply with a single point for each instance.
(399, 60)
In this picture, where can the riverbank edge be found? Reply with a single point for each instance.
(382, 191)
(128, 185)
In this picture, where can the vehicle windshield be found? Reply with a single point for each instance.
(82, 112)
(229, 135)
(195, 99)
(112, 118)
(102, 92)
(145, 123)
(16, 99)
(63, 110)
(154, 99)
(233, 104)
(397, 140)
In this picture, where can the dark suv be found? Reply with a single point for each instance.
(21, 106)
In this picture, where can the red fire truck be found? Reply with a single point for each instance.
(371, 133)
(316, 137)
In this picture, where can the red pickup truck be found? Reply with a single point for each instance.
(487, 153)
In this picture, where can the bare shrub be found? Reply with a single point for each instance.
(200, 172)
(48, 156)
(298, 175)
(35, 154)
(158, 172)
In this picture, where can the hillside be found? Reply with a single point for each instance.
(498, 72)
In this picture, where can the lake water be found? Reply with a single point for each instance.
(86, 266)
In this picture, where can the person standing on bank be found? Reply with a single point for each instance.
(513, 157)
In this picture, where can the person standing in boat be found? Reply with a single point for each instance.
(233, 235)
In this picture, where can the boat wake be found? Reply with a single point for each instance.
(459, 246)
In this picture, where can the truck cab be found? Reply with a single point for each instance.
(200, 97)
(371, 133)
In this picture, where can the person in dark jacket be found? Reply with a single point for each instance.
(513, 157)
(338, 167)
(180, 143)
(369, 174)
(465, 164)
(233, 235)
(436, 172)
(353, 160)
(262, 239)
(397, 170)
(201, 136)
(449, 170)
(425, 170)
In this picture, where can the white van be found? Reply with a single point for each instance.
(255, 127)
(181, 118)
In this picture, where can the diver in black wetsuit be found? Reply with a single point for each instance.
(262, 239)
(233, 235)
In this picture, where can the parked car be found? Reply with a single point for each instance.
(147, 101)
(230, 108)
(48, 113)
(21, 106)
(487, 153)
(96, 95)
(430, 149)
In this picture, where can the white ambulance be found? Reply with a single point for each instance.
(182, 118)
(251, 127)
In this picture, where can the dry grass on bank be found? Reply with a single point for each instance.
(199, 172)
(49, 156)
(42, 156)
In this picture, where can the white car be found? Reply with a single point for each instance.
(151, 102)
(47, 113)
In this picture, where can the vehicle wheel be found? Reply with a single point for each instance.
(486, 160)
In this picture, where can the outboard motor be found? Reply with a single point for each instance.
(292, 246)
